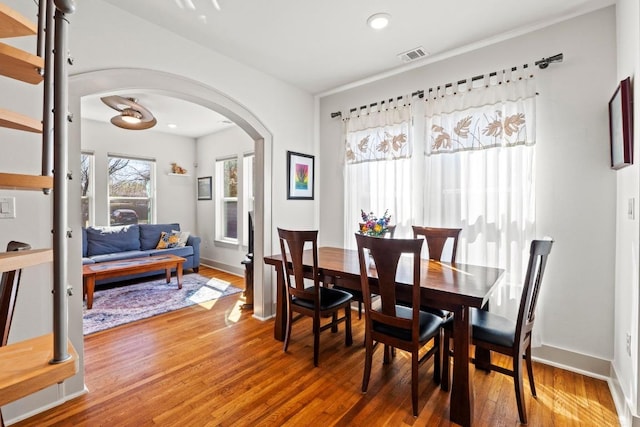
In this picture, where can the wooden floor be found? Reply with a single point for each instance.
(216, 365)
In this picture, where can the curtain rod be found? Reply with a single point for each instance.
(542, 64)
(418, 93)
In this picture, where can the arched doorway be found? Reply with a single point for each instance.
(100, 81)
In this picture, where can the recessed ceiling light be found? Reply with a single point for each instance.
(172, 125)
(379, 21)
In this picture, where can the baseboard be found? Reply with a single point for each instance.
(622, 407)
(46, 407)
(571, 361)
(238, 271)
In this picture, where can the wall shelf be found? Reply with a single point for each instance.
(178, 174)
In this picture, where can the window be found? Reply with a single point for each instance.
(227, 199)
(247, 194)
(131, 190)
(87, 188)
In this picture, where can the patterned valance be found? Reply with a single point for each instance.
(379, 135)
(498, 116)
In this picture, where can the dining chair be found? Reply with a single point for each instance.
(315, 301)
(9, 283)
(437, 238)
(357, 295)
(497, 333)
(396, 326)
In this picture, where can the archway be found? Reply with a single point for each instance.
(100, 81)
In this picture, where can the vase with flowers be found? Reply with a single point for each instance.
(374, 226)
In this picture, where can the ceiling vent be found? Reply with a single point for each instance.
(413, 54)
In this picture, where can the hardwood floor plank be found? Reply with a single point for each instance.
(214, 365)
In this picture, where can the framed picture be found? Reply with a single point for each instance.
(300, 179)
(204, 188)
(621, 125)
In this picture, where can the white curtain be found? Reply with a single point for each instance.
(378, 169)
(480, 175)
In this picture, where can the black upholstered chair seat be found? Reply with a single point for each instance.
(429, 325)
(329, 298)
(492, 328)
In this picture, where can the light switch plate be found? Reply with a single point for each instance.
(7, 207)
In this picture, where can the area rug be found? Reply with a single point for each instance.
(117, 305)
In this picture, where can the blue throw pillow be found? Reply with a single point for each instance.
(150, 234)
(107, 240)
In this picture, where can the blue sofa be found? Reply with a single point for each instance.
(102, 244)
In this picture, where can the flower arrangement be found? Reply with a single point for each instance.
(372, 225)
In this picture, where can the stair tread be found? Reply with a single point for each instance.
(13, 181)
(15, 260)
(13, 120)
(19, 64)
(13, 24)
(25, 367)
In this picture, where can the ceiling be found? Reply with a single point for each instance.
(319, 46)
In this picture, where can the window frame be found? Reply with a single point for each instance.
(151, 191)
(221, 200)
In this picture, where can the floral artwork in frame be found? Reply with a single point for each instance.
(300, 178)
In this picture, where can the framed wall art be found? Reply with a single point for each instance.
(621, 125)
(300, 179)
(204, 188)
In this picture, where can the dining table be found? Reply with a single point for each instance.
(452, 286)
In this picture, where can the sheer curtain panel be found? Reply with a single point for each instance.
(480, 174)
(378, 168)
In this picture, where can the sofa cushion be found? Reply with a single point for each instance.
(150, 234)
(85, 244)
(117, 256)
(185, 251)
(184, 236)
(107, 240)
(168, 240)
(86, 260)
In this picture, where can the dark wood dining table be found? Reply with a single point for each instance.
(451, 286)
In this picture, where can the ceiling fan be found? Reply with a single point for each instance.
(132, 115)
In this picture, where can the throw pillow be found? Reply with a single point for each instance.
(184, 236)
(168, 240)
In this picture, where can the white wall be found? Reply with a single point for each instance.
(97, 32)
(626, 366)
(575, 189)
(175, 195)
(229, 142)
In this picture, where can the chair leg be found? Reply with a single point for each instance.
(446, 363)
(348, 337)
(368, 360)
(437, 344)
(527, 356)
(414, 382)
(359, 310)
(334, 322)
(316, 340)
(287, 333)
(518, 385)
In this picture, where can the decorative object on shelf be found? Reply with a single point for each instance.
(300, 169)
(178, 170)
(374, 226)
(621, 125)
(204, 188)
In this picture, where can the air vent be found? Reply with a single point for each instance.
(413, 54)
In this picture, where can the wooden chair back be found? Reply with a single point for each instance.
(436, 239)
(296, 241)
(9, 284)
(538, 254)
(386, 255)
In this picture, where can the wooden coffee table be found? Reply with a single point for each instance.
(106, 270)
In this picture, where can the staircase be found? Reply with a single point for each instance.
(34, 364)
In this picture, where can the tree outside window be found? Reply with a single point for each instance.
(87, 188)
(131, 191)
